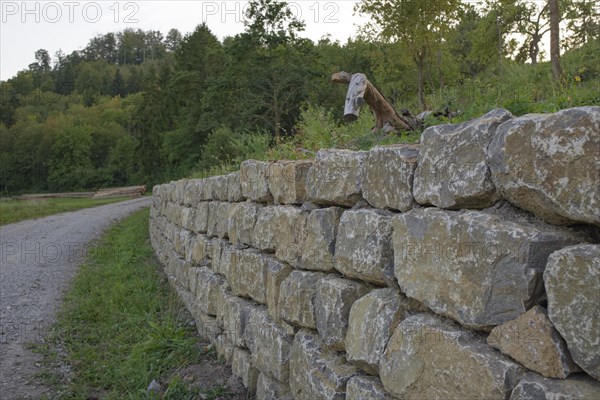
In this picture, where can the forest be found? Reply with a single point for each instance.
(143, 107)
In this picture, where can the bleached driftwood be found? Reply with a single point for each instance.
(361, 91)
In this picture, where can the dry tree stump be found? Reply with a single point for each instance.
(361, 91)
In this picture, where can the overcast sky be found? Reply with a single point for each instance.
(27, 26)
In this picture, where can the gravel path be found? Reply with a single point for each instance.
(38, 258)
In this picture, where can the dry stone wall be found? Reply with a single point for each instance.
(466, 267)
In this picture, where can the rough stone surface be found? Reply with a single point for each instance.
(287, 181)
(199, 250)
(219, 188)
(248, 275)
(297, 298)
(242, 219)
(277, 272)
(213, 219)
(234, 187)
(218, 246)
(270, 389)
(430, 358)
(224, 250)
(201, 217)
(222, 223)
(336, 177)
(335, 296)
(280, 229)
(211, 290)
(477, 268)
(363, 248)
(362, 387)
(388, 173)
(187, 218)
(535, 387)
(269, 343)
(189, 198)
(291, 232)
(318, 245)
(532, 340)
(224, 348)
(452, 170)
(234, 313)
(266, 229)
(549, 164)
(254, 179)
(317, 373)
(372, 321)
(241, 366)
(207, 326)
(572, 280)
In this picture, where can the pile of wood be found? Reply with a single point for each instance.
(130, 191)
(54, 195)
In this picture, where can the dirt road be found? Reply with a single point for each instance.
(38, 258)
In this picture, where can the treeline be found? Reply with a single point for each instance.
(137, 107)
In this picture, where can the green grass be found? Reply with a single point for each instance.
(19, 210)
(121, 325)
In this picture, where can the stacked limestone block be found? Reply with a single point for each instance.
(406, 271)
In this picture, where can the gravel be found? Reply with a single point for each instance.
(38, 259)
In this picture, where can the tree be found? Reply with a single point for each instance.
(418, 25)
(583, 22)
(102, 47)
(555, 39)
(118, 85)
(173, 40)
(272, 22)
(42, 59)
(472, 44)
(534, 24)
(70, 164)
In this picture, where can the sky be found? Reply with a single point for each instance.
(27, 26)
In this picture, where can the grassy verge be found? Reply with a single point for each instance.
(19, 210)
(121, 326)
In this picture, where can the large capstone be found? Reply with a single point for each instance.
(452, 170)
(336, 177)
(549, 164)
(388, 173)
(254, 179)
(287, 181)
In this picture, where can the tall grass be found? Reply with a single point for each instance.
(17, 210)
(519, 88)
(121, 325)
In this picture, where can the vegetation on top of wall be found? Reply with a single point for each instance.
(137, 107)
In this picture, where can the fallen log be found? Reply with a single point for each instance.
(129, 191)
(361, 91)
